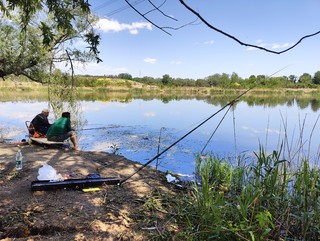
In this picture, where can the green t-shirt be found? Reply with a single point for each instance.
(60, 127)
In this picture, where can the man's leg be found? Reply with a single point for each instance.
(73, 139)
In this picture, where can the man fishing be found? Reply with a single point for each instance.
(40, 123)
(61, 130)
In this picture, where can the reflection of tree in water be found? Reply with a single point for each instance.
(63, 96)
(315, 104)
(303, 103)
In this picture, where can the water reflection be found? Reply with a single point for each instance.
(62, 97)
(123, 123)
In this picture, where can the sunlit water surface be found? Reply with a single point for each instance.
(140, 129)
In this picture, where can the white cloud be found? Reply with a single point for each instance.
(279, 46)
(270, 46)
(250, 48)
(150, 60)
(209, 42)
(106, 25)
(276, 46)
(176, 62)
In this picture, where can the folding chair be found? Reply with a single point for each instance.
(30, 128)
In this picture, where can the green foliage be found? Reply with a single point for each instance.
(125, 76)
(37, 43)
(269, 200)
(305, 79)
(316, 78)
(166, 79)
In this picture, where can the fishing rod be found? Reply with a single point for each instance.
(215, 129)
(203, 122)
(93, 128)
(97, 128)
(230, 108)
(181, 138)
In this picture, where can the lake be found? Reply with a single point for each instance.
(140, 128)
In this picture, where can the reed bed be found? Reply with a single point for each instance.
(269, 199)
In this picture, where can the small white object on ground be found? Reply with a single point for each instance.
(47, 172)
(171, 178)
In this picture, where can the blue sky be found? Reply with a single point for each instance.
(130, 44)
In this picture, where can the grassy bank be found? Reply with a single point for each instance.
(135, 89)
(268, 199)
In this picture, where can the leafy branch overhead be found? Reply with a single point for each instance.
(41, 34)
(38, 35)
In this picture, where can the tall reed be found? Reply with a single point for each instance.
(264, 200)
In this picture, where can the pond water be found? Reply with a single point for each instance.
(140, 129)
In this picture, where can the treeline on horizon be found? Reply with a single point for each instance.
(217, 80)
(233, 81)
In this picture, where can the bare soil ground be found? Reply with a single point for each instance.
(112, 213)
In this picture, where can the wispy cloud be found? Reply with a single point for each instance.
(280, 46)
(150, 60)
(273, 46)
(107, 25)
(176, 62)
(209, 42)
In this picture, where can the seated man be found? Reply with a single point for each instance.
(40, 123)
(61, 130)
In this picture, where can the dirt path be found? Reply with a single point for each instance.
(108, 214)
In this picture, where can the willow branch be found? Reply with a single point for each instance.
(72, 70)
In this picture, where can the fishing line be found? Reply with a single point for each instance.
(94, 128)
(203, 122)
(180, 139)
(234, 136)
(215, 129)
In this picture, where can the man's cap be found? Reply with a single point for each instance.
(45, 110)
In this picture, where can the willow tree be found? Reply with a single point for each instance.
(36, 35)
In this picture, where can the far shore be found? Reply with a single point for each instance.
(28, 86)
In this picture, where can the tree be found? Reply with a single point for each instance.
(305, 79)
(56, 23)
(42, 33)
(252, 80)
(214, 80)
(125, 76)
(261, 79)
(292, 78)
(235, 78)
(316, 78)
(166, 79)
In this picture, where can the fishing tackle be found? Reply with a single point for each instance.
(180, 139)
(203, 122)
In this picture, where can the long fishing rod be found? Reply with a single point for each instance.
(229, 109)
(176, 142)
(94, 128)
(97, 128)
(215, 130)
